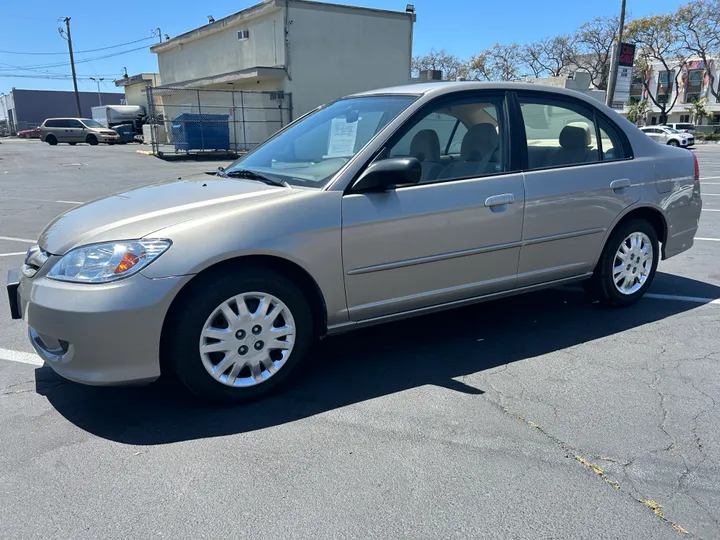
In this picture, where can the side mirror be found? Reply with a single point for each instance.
(385, 173)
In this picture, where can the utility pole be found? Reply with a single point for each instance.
(98, 85)
(614, 60)
(72, 67)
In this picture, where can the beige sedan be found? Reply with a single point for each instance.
(379, 206)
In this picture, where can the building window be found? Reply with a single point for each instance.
(695, 96)
(695, 77)
(243, 35)
(662, 98)
(653, 120)
(684, 118)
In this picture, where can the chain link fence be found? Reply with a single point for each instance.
(198, 121)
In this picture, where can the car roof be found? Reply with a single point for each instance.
(438, 88)
(67, 118)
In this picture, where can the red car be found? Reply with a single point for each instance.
(29, 133)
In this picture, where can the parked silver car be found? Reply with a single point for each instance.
(378, 206)
(670, 136)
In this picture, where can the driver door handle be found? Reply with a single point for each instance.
(499, 200)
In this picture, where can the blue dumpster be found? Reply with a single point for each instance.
(201, 132)
(126, 133)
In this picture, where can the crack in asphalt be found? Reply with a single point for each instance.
(659, 372)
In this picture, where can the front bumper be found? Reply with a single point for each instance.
(98, 334)
(103, 137)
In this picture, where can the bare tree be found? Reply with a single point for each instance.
(656, 40)
(500, 63)
(451, 66)
(550, 56)
(594, 41)
(697, 26)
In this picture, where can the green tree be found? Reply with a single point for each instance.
(698, 111)
(638, 112)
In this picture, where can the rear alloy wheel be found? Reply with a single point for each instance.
(91, 140)
(51, 140)
(673, 143)
(627, 265)
(240, 337)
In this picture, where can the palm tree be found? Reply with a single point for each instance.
(698, 110)
(638, 111)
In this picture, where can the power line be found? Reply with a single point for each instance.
(35, 67)
(78, 52)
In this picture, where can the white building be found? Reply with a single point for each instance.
(314, 50)
(135, 87)
(693, 85)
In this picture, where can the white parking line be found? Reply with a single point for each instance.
(21, 357)
(39, 200)
(13, 239)
(710, 178)
(11, 254)
(694, 299)
(711, 194)
(711, 209)
(709, 239)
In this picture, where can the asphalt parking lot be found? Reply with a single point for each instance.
(541, 416)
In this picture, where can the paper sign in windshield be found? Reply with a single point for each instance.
(342, 138)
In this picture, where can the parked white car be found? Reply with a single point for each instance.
(683, 127)
(668, 135)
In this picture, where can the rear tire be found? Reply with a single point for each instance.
(72, 143)
(51, 140)
(627, 265)
(220, 321)
(91, 140)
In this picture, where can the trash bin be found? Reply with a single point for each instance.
(126, 133)
(201, 132)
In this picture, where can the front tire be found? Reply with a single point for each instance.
(627, 265)
(91, 140)
(240, 336)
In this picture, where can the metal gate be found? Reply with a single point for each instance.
(199, 121)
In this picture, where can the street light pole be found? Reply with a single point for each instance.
(614, 60)
(98, 87)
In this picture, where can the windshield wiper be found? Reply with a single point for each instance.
(252, 175)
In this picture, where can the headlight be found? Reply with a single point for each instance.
(101, 263)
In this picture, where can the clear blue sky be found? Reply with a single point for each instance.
(462, 27)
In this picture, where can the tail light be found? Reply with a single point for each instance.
(697, 167)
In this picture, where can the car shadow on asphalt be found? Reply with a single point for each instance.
(431, 350)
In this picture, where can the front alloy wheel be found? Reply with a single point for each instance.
(247, 339)
(239, 335)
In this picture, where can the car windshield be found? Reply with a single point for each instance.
(311, 151)
(92, 124)
(672, 130)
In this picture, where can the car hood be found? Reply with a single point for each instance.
(140, 212)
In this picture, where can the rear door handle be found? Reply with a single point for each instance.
(498, 200)
(620, 183)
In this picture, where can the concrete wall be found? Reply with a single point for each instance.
(335, 51)
(222, 52)
(32, 107)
